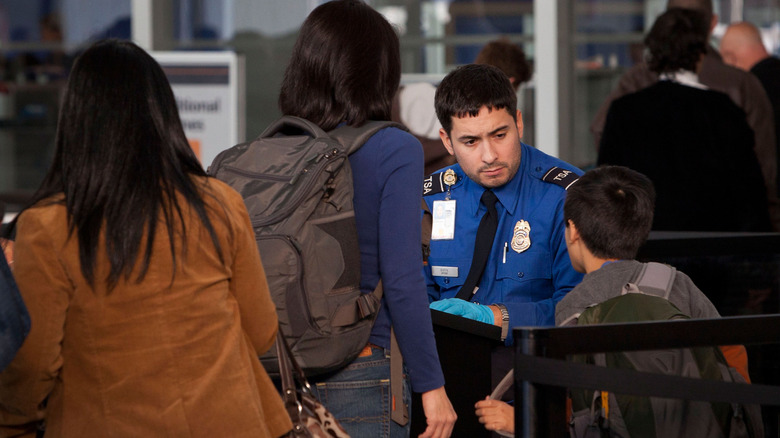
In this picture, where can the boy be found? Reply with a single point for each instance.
(608, 214)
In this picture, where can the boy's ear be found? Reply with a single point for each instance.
(574, 234)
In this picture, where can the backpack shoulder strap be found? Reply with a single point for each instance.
(352, 138)
(427, 227)
(653, 279)
(287, 122)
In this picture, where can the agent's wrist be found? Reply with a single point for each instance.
(501, 318)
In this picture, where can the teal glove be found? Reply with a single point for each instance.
(466, 309)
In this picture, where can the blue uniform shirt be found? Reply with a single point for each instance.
(529, 283)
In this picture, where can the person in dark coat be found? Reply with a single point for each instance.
(743, 88)
(694, 143)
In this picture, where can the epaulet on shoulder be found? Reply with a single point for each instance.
(560, 176)
(435, 183)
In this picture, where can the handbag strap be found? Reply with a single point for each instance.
(399, 412)
(290, 371)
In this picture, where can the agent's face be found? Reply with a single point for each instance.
(487, 146)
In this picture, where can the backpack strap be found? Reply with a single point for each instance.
(352, 138)
(345, 315)
(653, 279)
(286, 122)
(427, 228)
(365, 306)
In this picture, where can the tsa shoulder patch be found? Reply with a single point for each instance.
(560, 176)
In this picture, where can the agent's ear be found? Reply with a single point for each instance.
(446, 140)
(519, 124)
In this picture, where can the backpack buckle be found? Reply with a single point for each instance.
(366, 306)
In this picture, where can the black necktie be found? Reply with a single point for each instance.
(484, 241)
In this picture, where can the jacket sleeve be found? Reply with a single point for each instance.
(746, 91)
(248, 283)
(612, 138)
(400, 259)
(46, 288)
(757, 106)
(635, 79)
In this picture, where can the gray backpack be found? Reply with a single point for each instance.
(297, 186)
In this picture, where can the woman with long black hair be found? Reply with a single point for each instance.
(345, 69)
(142, 278)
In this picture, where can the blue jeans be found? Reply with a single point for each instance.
(359, 396)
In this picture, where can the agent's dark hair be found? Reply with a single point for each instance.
(677, 40)
(465, 90)
(345, 66)
(612, 208)
(121, 158)
(508, 57)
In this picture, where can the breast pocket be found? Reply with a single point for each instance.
(528, 273)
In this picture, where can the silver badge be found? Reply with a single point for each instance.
(521, 240)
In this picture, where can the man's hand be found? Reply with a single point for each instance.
(438, 414)
(496, 415)
(466, 309)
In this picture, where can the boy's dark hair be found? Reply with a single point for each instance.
(508, 57)
(465, 90)
(345, 66)
(677, 40)
(612, 208)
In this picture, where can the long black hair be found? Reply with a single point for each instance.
(121, 158)
(345, 66)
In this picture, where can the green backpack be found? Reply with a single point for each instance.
(602, 414)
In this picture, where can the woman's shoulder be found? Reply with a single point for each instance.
(218, 190)
(48, 216)
(394, 143)
(49, 208)
(221, 199)
(399, 135)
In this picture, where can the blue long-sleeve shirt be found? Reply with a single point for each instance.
(386, 172)
(528, 283)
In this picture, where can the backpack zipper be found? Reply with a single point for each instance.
(321, 163)
(248, 174)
